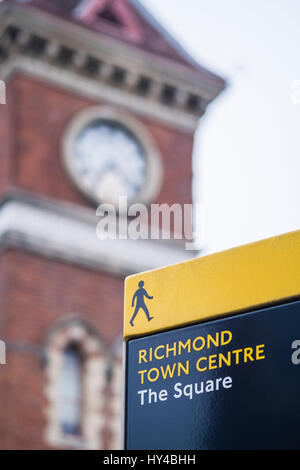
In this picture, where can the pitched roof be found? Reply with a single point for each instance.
(125, 20)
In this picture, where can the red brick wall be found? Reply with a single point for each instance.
(40, 115)
(37, 293)
(7, 137)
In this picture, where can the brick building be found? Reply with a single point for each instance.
(90, 84)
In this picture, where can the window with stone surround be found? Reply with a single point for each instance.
(70, 392)
(75, 369)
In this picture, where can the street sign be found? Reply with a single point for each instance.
(229, 380)
(226, 384)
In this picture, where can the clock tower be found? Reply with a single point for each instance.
(101, 102)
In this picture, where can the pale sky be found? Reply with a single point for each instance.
(248, 144)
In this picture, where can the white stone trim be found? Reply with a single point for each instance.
(154, 171)
(77, 36)
(117, 404)
(90, 88)
(69, 233)
(93, 383)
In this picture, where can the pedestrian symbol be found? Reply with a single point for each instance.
(139, 295)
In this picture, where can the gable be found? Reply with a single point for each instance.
(113, 17)
(126, 20)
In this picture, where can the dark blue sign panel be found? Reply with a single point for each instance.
(227, 384)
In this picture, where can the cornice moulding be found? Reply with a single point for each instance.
(68, 233)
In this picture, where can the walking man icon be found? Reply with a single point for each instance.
(139, 295)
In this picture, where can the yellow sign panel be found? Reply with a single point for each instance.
(208, 287)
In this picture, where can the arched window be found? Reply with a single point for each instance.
(70, 396)
(115, 386)
(75, 382)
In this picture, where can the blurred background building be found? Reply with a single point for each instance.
(101, 102)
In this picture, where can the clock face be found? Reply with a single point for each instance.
(109, 162)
